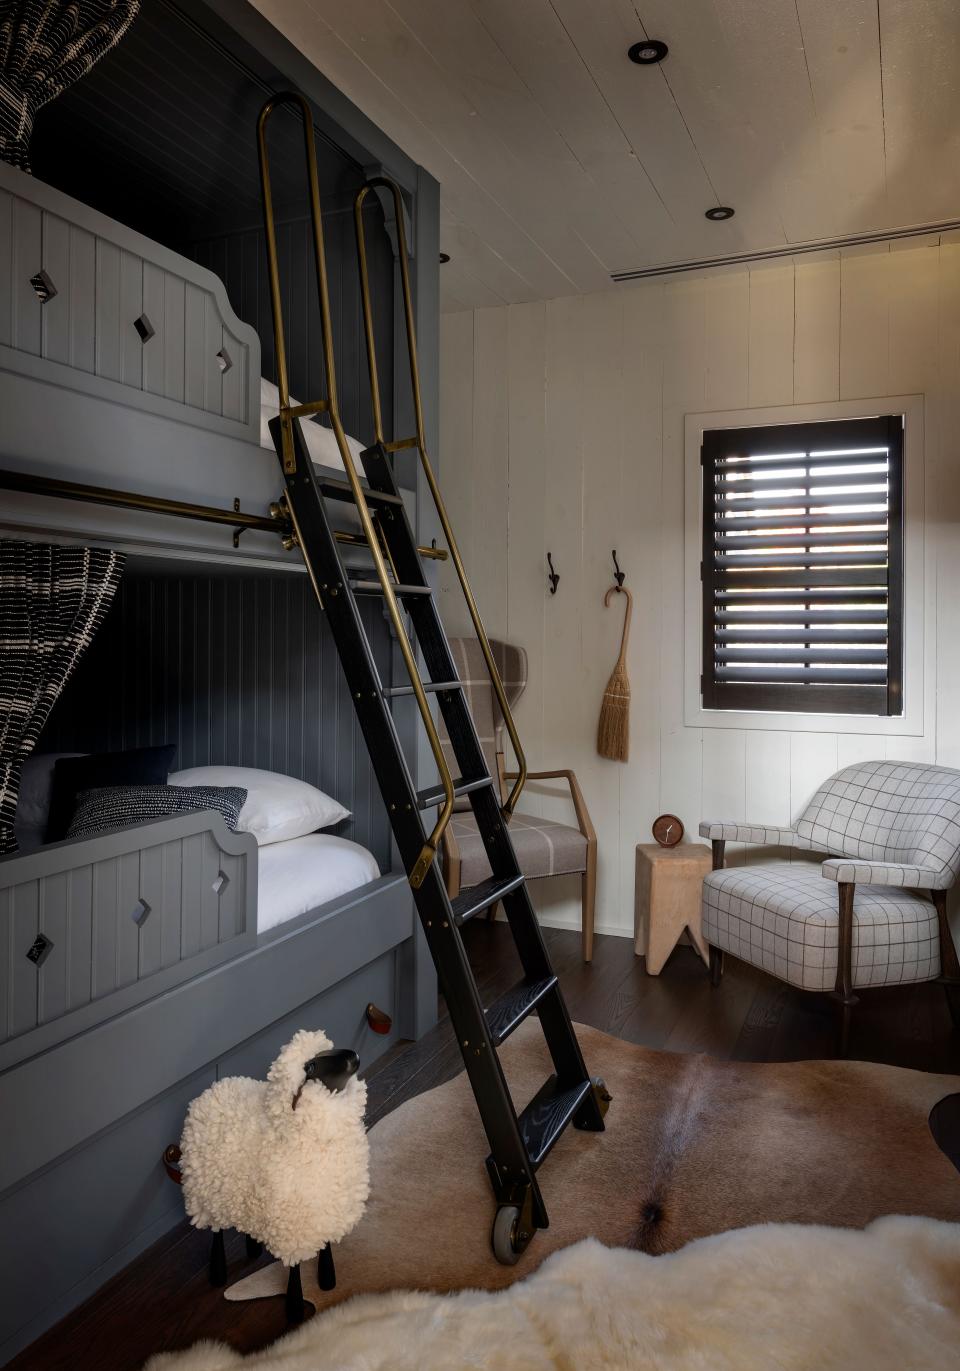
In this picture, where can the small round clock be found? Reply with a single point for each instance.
(668, 830)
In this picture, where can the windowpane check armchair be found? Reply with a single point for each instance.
(874, 913)
(544, 847)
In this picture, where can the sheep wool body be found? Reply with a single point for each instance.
(292, 1178)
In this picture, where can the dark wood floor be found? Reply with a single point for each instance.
(163, 1300)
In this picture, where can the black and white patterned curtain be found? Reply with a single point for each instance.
(45, 46)
(52, 601)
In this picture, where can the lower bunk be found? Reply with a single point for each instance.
(92, 1089)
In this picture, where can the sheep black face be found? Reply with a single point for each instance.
(333, 1068)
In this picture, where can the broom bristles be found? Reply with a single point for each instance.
(613, 731)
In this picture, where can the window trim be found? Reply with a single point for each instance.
(917, 603)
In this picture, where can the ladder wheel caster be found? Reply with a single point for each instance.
(592, 1112)
(511, 1236)
(602, 1095)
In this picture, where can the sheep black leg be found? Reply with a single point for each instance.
(254, 1248)
(326, 1275)
(294, 1295)
(218, 1260)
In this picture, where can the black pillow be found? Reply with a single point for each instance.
(123, 806)
(71, 775)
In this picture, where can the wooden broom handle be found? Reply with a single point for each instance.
(621, 590)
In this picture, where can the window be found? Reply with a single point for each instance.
(802, 568)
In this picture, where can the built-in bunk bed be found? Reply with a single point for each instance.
(140, 962)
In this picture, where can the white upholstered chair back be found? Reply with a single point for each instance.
(894, 812)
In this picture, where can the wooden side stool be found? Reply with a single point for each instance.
(668, 893)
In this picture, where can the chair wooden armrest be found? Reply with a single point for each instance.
(584, 822)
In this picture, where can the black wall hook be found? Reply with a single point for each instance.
(553, 576)
(618, 575)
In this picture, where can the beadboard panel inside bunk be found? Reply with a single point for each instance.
(84, 921)
(239, 260)
(83, 292)
(237, 670)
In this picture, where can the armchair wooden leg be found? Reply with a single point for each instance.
(949, 960)
(844, 985)
(588, 889)
(718, 847)
(492, 913)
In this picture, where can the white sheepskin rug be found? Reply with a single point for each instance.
(777, 1297)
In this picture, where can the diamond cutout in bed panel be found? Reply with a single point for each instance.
(43, 287)
(224, 360)
(139, 912)
(39, 950)
(144, 328)
(221, 883)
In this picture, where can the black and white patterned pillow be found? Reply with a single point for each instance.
(123, 806)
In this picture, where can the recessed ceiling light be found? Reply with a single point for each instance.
(444, 257)
(718, 212)
(647, 52)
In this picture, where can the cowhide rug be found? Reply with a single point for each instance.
(693, 1146)
(778, 1296)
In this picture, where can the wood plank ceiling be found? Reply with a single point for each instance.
(562, 162)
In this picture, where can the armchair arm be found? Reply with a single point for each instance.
(584, 822)
(762, 834)
(848, 869)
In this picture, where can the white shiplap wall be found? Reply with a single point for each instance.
(562, 428)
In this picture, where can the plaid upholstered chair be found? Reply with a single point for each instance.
(891, 835)
(544, 847)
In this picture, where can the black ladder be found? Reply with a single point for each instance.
(519, 1142)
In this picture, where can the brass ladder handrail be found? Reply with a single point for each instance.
(419, 442)
(330, 406)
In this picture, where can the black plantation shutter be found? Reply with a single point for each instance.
(803, 567)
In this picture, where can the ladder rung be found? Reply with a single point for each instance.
(480, 897)
(431, 687)
(375, 588)
(547, 1115)
(510, 1010)
(342, 490)
(433, 795)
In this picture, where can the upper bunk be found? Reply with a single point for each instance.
(136, 340)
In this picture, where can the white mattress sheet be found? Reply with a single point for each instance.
(321, 441)
(303, 873)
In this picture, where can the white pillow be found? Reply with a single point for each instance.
(321, 441)
(277, 807)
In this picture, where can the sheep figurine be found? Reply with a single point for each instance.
(285, 1160)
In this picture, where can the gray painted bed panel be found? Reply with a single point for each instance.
(41, 227)
(84, 898)
(62, 1097)
(106, 1201)
(62, 1225)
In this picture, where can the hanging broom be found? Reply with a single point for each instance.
(613, 732)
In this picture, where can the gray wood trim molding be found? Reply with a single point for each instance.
(73, 852)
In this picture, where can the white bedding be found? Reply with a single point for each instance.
(305, 872)
(321, 441)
